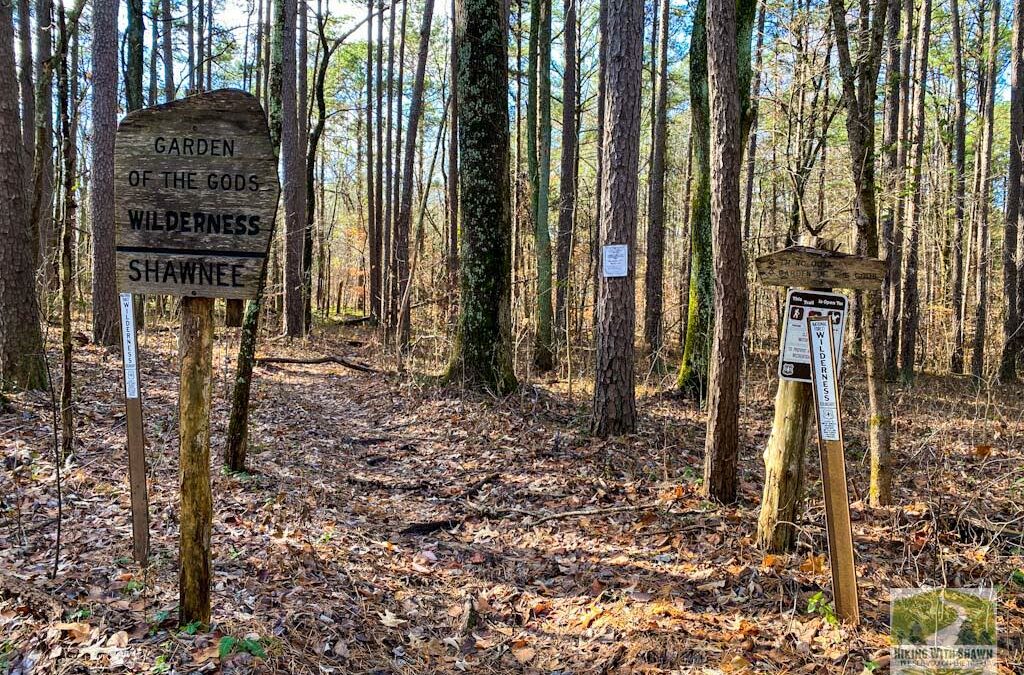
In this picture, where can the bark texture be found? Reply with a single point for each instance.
(614, 388)
(654, 274)
(21, 342)
(568, 176)
(721, 447)
(105, 313)
(483, 348)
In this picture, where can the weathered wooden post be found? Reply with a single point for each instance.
(195, 192)
(825, 376)
(136, 432)
(815, 264)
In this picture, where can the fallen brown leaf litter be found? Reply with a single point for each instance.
(391, 526)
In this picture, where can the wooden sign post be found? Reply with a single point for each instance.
(825, 385)
(817, 265)
(195, 198)
(136, 432)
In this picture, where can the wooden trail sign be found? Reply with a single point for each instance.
(195, 196)
(825, 385)
(136, 433)
(195, 199)
(816, 268)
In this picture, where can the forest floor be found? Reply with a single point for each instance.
(390, 525)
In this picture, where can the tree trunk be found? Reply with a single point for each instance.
(654, 274)
(21, 342)
(69, 223)
(200, 82)
(482, 353)
(294, 176)
(693, 372)
(959, 179)
(378, 254)
(307, 198)
(1012, 319)
(483, 348)
(728, 80)
(892, 288)
(568, 176)
(154, 84)
(237, 441)
(540, 176)
(190, 41)
(168, 50)
(26, 87)
(984, 239)
(404, 223)
(105, 317)
(755, 99)
(452, 233)
(46, 235)
(134, 61)
(910, 314)
(860, 85)
(614, 396)
(372, 231)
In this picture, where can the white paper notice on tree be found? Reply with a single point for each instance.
(615, 260)
(826, 385)
(128, 347)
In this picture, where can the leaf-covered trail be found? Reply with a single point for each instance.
(390, 526)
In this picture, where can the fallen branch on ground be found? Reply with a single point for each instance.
(340, 360)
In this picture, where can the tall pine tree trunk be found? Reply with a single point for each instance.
(1012, 319)
(983, 243)
(294, 180)
(567, 180)
(728, 26)
(654, 275)
(21, 342)
(755, 98)
(959, 180)
(614, 387)
(910, 313)
(105, 323)
(405, 207)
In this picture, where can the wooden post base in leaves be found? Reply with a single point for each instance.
(196, 351)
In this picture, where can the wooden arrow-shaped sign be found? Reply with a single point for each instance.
(802, 266)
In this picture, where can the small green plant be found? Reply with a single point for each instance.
(871, 666)
(79, 614)
(158, 620)
(161, 665)
(818, 605)
(1017, 577)
(229, 645)
(133, 586)
(192, 628)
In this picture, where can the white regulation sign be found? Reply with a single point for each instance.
(795, 355)
(615, 260)
(825, 376)
(128, 347)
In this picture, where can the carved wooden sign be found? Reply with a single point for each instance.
(195, 196)
(814, 268)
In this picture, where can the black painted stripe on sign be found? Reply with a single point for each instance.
(190, 251)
